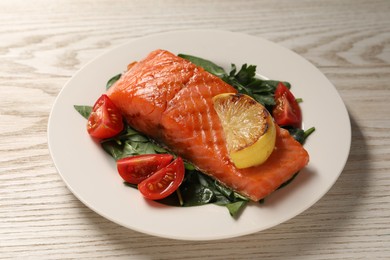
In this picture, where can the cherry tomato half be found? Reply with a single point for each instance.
(135, 169)
(105, 120)
(164, 182)
(286, 111)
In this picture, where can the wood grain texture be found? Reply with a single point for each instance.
(43, 43)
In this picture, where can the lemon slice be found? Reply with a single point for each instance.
(248, 127)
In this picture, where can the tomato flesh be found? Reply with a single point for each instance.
(163, 182)
(105, 120)
(135, 169)
(286, 111)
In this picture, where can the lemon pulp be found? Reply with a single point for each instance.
(248, 127)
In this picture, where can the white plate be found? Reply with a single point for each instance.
(91, 174)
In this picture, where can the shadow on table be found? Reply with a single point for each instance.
(312, 230)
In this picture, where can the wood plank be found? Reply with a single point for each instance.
(43, 43)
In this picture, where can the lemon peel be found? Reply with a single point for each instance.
(248, 127)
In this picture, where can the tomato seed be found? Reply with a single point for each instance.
(159, 185)
(150, 187)
(168, 177)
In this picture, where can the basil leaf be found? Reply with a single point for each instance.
(85, 111)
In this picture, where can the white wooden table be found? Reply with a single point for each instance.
(43, 43)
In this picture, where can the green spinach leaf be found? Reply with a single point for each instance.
(299, 134)
(236, 207)
(85, 111)
(111, 81)
(206, 64)
(130, 142)
(244, 80)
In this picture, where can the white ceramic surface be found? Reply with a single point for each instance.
(91, 174)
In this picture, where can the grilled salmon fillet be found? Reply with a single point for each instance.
(170, 100)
